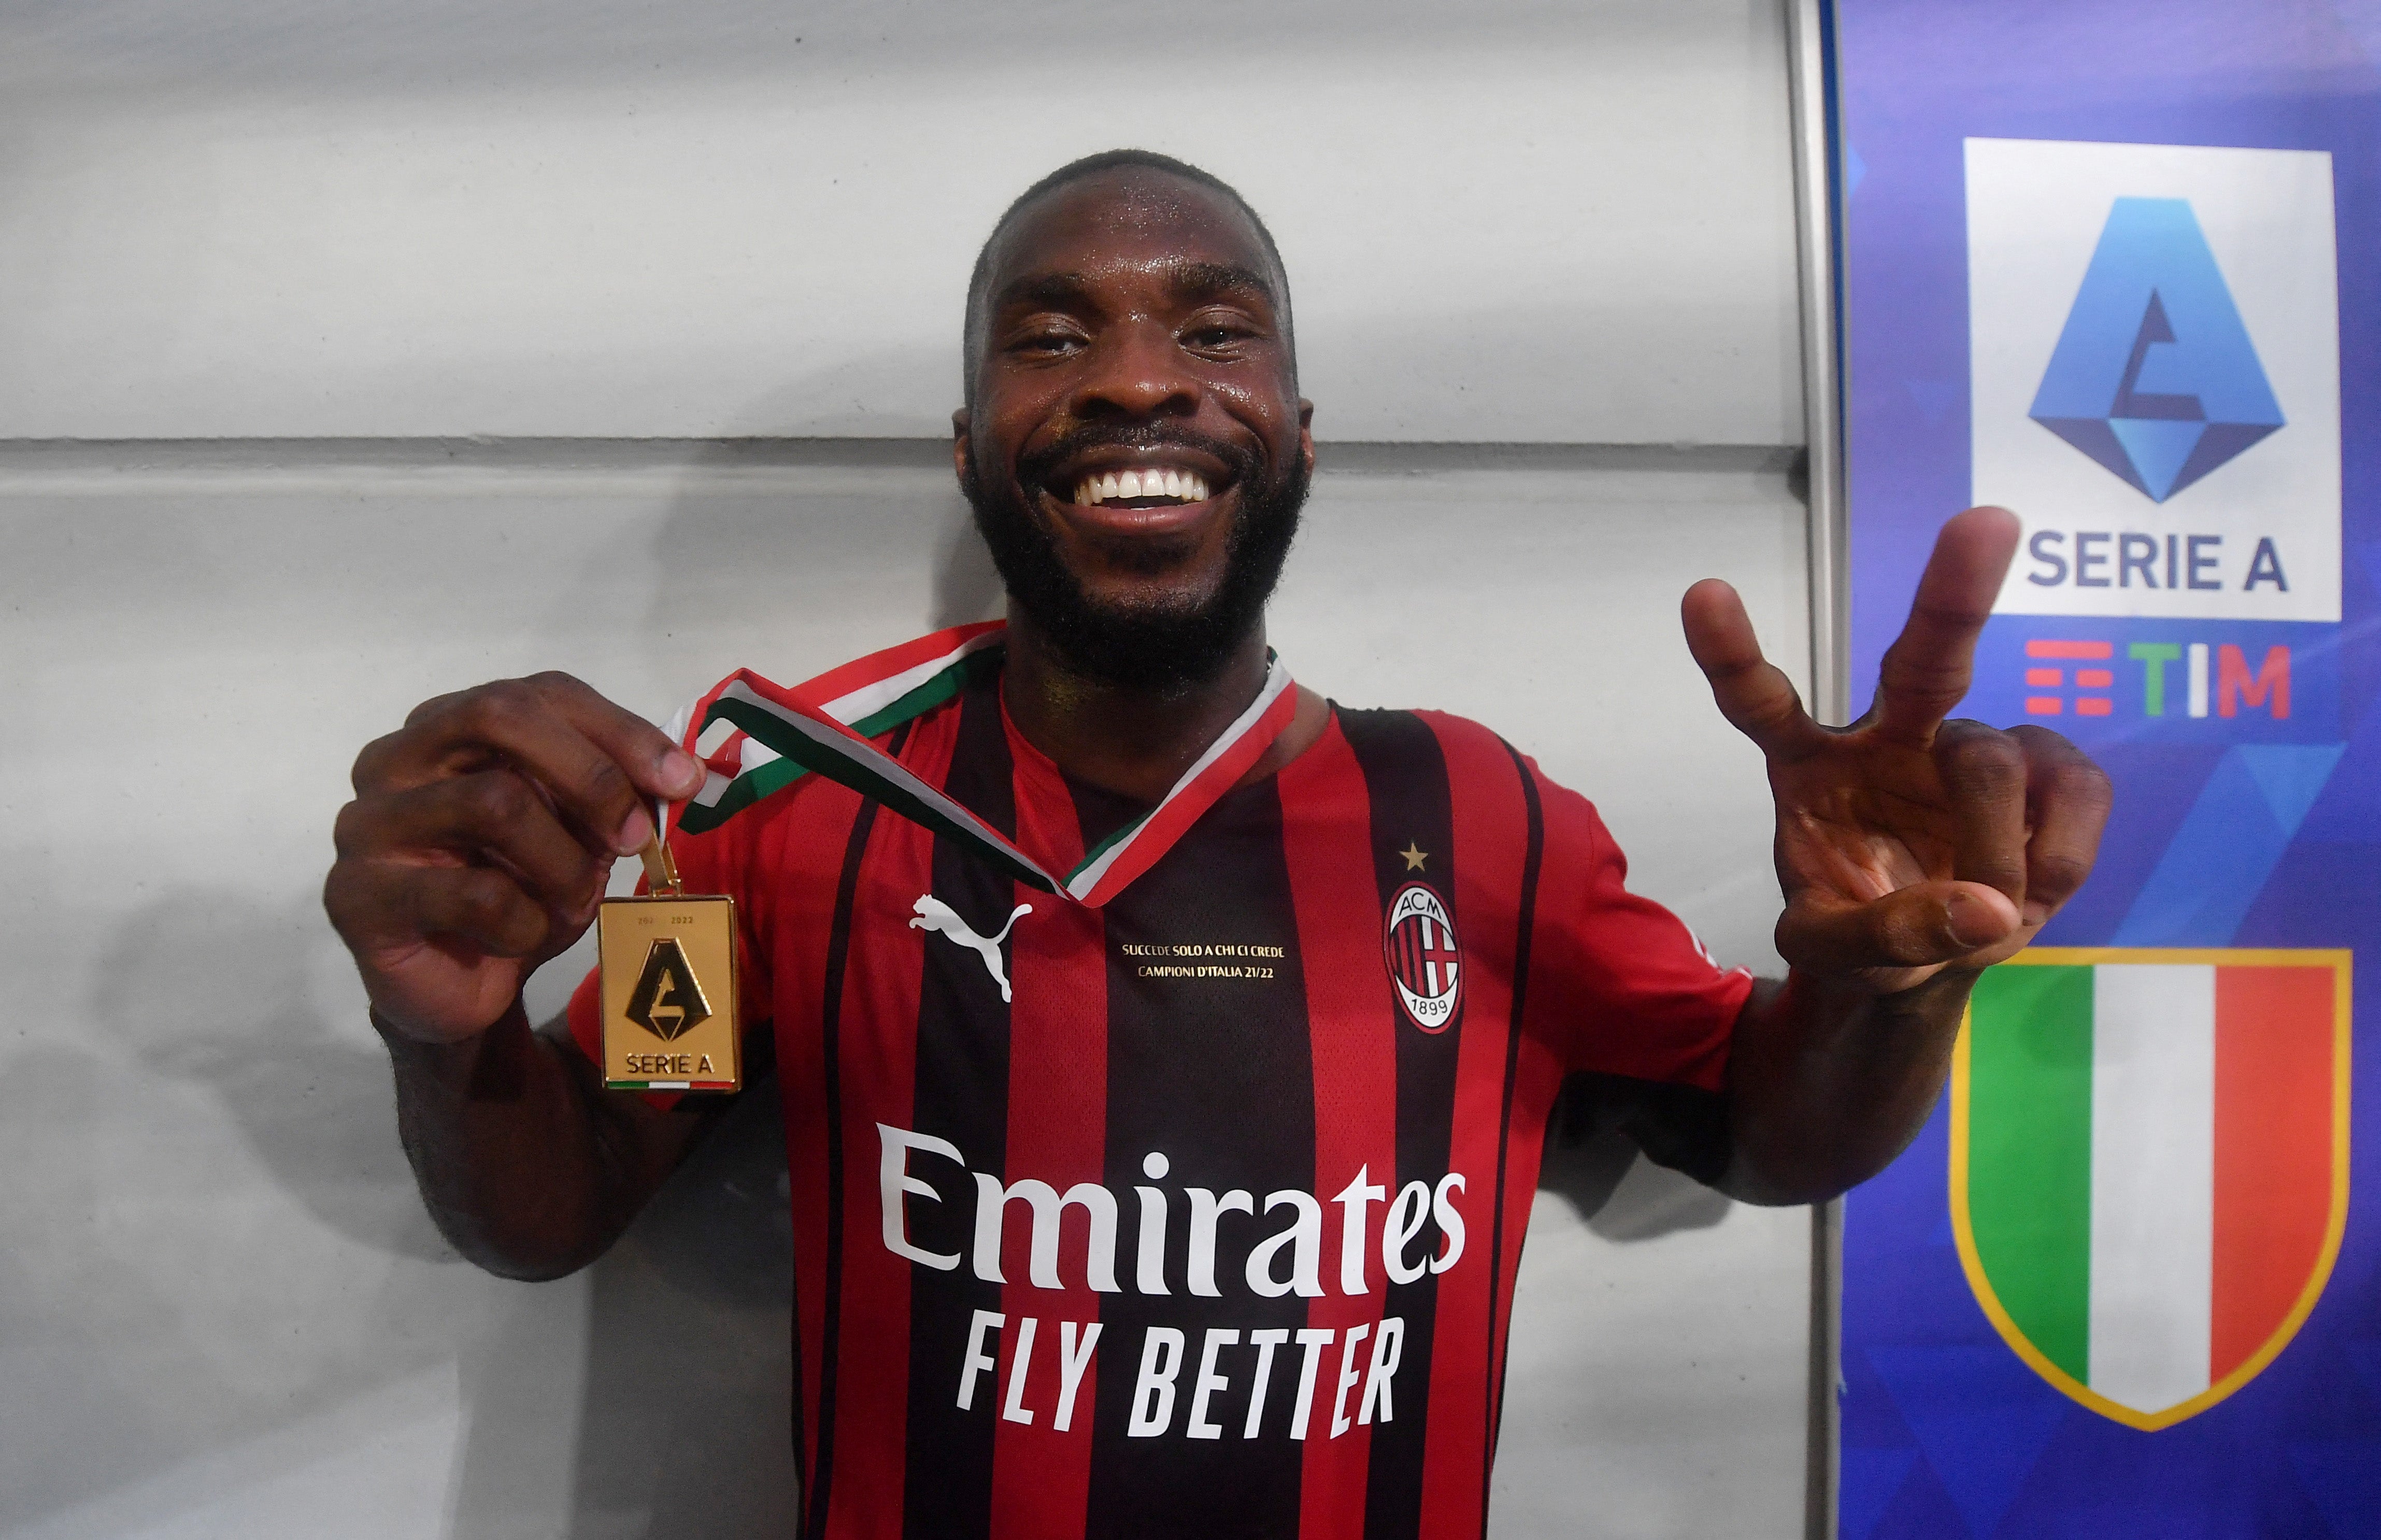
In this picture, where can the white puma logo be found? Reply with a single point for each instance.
(935, 915)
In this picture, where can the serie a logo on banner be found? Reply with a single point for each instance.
(2149, 1164)
(2155, 388)
(2153, 347)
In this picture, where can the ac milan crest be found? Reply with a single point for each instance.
(1426, 963)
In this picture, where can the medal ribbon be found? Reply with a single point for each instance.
(825, 725)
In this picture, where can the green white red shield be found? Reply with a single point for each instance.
(2149, 1164)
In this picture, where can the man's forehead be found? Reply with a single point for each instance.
(1131, 217)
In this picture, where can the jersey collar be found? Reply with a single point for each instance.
(824, 725)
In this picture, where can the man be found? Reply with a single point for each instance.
(1186, 1200)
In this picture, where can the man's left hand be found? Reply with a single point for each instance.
(1908, 844)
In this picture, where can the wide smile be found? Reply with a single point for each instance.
(1153, 486)
(1145, 494)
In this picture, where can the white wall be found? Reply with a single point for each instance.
(1505, 222)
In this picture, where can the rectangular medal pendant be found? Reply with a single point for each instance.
(668, 975)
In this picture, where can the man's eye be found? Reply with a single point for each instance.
(1045, 342)
(1218, 335)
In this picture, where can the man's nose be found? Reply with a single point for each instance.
(1136, 371)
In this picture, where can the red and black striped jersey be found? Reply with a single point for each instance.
(1195, 1213)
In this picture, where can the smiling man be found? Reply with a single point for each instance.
(1163, 1122)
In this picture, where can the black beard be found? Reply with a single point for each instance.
(1159, 648)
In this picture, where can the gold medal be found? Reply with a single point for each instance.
(667, 961)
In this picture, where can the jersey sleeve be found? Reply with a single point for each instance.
(1628, 989)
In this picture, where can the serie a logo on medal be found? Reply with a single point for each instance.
(1425, 961)
(664, 1028)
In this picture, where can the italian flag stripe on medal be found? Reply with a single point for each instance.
(2149, 1174)
(775, 736)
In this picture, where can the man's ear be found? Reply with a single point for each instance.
(959, 444)
(1306, 433)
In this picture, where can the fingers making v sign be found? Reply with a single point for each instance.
(1908, 843)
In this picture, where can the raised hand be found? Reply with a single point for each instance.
(1906, 843)
(480, 841)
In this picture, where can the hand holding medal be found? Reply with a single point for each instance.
(480, 841)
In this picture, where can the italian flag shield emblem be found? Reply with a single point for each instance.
(2149, 1164)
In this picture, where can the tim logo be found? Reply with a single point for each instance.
(2155, 377)
(1425, 963)
(667, 1001)
(2066, 677)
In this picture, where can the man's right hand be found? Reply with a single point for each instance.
(479, 841)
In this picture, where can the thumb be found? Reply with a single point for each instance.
(1911, 927)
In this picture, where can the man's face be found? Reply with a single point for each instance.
(1136, 453)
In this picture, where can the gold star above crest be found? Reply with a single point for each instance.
(1414, 856)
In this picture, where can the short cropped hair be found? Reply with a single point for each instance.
(972, 333)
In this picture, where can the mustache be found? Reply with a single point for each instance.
(1034, 467)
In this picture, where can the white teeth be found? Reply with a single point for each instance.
(1181, 485)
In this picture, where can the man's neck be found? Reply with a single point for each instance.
(1136, 743)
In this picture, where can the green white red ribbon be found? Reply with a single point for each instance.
(824, 725)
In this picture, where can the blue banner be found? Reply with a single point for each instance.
(2116, 264)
